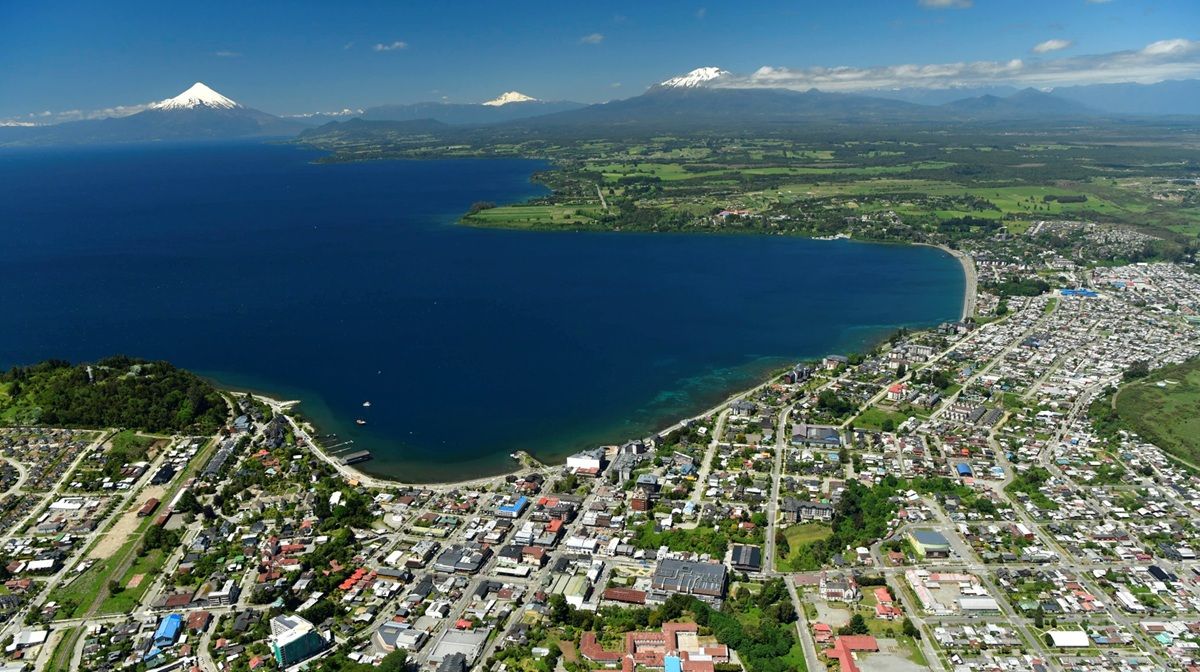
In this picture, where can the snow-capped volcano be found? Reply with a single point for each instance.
(199, 95)
(695, 78)
(510, 97)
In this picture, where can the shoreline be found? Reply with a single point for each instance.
(527, 460)
(971, 290)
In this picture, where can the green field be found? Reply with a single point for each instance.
(874, 417)
(124, 601)
(535, 216)
(799, 536)
(1164, 408)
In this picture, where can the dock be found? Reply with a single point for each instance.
(356, 457)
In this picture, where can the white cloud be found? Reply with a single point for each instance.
(47, 117)
(348, 45)
(224, 53)
(945, 4)
(701, 13)
(594, 38)
(1168, 47)
(1051, 45)
(1098, 2)
(1165, 59)
(394, 46)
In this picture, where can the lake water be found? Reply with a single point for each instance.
(338, 284)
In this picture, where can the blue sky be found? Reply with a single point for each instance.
(297, 57)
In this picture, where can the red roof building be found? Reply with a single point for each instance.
(844, 648)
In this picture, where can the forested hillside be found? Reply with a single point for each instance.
(118, 392)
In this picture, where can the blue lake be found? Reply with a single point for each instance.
(342, 283)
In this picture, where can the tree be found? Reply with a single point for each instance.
(909, 629)
(856, 626)
(394, 661)
(1138, 369)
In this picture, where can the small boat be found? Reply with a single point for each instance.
(514, 456)
(360, 421)
(366, 404)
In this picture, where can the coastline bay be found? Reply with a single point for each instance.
(342, 283)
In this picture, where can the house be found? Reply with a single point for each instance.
(885, 606)
(897, 392)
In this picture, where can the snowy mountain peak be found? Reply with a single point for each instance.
(695, 78)
(199, 95)
(510, 97)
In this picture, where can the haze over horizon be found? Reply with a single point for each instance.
(289, 58)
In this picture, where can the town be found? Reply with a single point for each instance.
(957, 500)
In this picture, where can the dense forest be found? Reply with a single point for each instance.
(115, 392)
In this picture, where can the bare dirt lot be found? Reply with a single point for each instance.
(120, 532)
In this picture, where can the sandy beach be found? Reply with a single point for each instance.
(968, 265)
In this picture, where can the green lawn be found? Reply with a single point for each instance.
(874, 417)
(1164, 408)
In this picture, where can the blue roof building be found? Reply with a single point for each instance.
(513, 509)
(964, 469)
(168, 631)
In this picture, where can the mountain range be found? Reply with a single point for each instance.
(199, 113)
(701, 99)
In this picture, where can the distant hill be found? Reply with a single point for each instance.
(1024, 104)
(1175, 97)
(508, 106)
(196, 114)
(686, 107)
(354, 128)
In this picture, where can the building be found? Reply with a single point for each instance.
(678, 647)
(294, 640)
(929, 544)
(465, 643)
(391, 636)
(587, 460)
(704, 580)
(978, 604)
(455, 662)
(742, 408)
(846, 646)
(168, 631)
(819, 436)
(799, 511)
(745, 558)
(839, 588)
(1068, 639)
(832, 362)
(513, 509)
